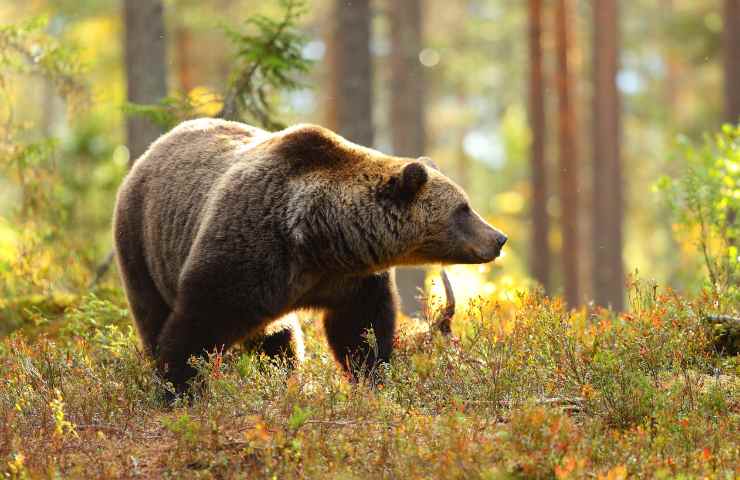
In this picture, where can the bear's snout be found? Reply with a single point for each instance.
(501, 240)
(490, 248)
(479, 241)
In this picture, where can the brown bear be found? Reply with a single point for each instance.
(221, 229)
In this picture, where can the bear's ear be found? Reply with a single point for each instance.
(429, 163)
(413, 177)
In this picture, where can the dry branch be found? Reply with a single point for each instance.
(444, 324)
(102, 269)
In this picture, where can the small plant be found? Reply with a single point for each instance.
(298, 417)
(62, 426)
(17, 468)
(186, 429)
(705, 200)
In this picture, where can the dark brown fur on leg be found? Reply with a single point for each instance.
(371, 305)
(184, 336)
(278, 344)
(282, 343)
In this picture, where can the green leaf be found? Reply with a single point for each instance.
(298, 417)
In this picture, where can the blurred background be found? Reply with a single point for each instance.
(567, 122)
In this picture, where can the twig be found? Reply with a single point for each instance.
(724, 319)
(704, 248)
(109, 428)
(575, 401)
(102, 269)
(445, 323)
(345, 423)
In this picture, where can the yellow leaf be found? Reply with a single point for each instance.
(617, 473)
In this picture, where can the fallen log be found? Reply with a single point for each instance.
(726, 331)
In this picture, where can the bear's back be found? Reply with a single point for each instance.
(166, 192)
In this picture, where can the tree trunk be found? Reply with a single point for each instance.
(407, 120)
(352, 72)
(608, 272)
(407, 79)
(568, 151)
(731, 46)
(146, 68)
(539, 248)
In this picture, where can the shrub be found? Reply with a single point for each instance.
(705, 200)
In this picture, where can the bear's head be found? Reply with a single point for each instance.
(438, 223)
(356, 208)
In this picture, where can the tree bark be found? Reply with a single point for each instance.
(407, 79)
(352, 72)
(539, 248)
(146, 68)
(568, 152)
(608, 272)
(731, 47)
(407, 120)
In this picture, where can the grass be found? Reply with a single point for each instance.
(528, 390)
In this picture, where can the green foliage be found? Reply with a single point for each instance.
(269, 57)
(173, 109)
(185, 428)
(706, 203)
(298, 417)
(100, 321)
(25, 49)
(32, 266)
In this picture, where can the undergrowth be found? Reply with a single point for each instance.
(526, 390)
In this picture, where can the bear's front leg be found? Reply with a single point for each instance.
(368, 303)
(195, 333)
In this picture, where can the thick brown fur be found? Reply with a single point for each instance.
(221, 229)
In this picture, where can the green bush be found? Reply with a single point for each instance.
(705, 199)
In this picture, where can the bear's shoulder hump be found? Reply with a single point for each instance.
(311, 144)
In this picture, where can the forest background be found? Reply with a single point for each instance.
(601, 136)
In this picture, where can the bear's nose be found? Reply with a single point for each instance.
(501, 240)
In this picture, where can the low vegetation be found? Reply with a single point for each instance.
(525, 389)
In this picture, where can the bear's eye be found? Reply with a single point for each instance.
(461, 215)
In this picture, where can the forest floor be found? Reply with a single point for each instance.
(527, 389)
